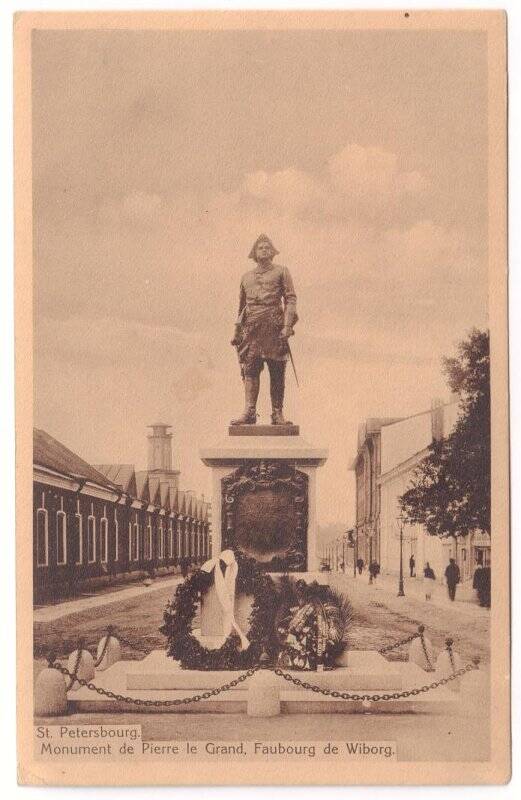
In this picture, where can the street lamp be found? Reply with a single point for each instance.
(401, 592)
(401, 522)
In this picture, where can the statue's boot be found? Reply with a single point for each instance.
(277, 370)
(251, 393)
(277, 417)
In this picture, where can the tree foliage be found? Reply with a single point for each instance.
(450, 489)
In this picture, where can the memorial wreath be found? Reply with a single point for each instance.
(292, 623)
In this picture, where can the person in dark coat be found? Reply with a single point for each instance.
(452, 575)
(481, 583)
(374, 570)
(412, 565)
(360, 565)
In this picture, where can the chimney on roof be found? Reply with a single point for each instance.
(160, 454)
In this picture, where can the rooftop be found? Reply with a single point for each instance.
(50, 453)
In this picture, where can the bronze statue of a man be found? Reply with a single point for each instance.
(267, 314)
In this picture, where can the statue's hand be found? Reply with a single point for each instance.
(237, 337)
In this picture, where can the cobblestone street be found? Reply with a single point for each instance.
(381, 617)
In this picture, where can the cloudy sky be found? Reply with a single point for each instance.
(158, 159)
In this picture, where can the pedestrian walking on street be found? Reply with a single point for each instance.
(452, 574)
(428, 574)
(374, 570)
(360, 565)
(412, 565)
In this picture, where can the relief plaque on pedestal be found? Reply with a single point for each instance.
(265, 514)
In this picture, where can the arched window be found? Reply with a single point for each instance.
(42, 538)
(104, 540)
(78, 538)
(136, 541)
(170, 539)
(61, 537)
(161, 541)
(91, 539)
(130, 541)
(179, 539)
(148, 540)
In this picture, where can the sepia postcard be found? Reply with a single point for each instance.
(262, 398)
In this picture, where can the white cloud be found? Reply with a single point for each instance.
(358, 182)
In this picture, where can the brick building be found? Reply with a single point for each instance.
(92, 523)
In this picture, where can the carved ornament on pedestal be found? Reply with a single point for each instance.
(265, 514)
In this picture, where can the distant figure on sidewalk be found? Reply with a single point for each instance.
(428, 574)
(481, 583)
(360, 565)
(374, 570)
(412, 565)
(452, 574)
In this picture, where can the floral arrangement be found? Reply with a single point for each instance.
(292, 624)
(312, 625)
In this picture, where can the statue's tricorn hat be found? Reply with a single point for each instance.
(263, 238)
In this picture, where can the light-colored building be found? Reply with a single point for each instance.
(367, 471)
(389, 450)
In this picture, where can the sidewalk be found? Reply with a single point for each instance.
(386, 588)
(51, 613)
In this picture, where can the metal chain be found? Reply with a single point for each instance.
(72, 675)
(137, 701)
(73, 678)
(430, 668)
(395, 645)
(374, 697)
(287, 677)
(108, 635)
(135, 647)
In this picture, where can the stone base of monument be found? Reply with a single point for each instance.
(264, 430)
(157, 677)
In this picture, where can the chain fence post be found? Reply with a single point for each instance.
(80, 665)
(109, 650)
(50, 691)
(421, 652)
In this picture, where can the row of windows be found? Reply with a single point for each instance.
(42, 540)
(174, 544)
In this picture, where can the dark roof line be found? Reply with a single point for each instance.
(50, 453)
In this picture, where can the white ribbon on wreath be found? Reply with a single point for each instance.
(225, 589)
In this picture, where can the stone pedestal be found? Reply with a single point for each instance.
(264, 496)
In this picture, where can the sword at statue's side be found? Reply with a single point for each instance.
(293, 365)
